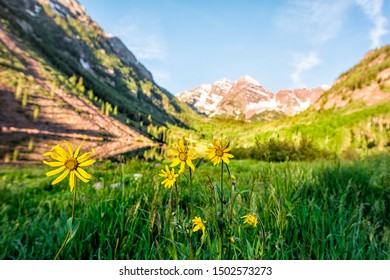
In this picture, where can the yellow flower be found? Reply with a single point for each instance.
(170, 177)
(198, 224)
(184, 156)
(218, 152)
(250, 219)
(70, 162)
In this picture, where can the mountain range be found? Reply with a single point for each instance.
(62, 77)
(246, 98)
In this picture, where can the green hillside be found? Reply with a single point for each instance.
(62, 44)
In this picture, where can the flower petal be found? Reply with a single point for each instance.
(83, 173)
(182, 167)
(55, 171)
(216, 160)
(76, 153)
(80, 177)
(61, 151)
(55, 156)
(227, 150)
(61, 177)
(225, 159)
(72, 180)
(88, 162)
(53, 163)
(70, 148)
(181, 145)
(176, 153)
(84, 157)
(190, 164)
(175, 162)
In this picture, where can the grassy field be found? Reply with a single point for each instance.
(306, 210)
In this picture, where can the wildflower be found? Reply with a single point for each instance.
(184, 156)
(234, 239)
(218, 152)
(70, 163)
(250, 219)
(170, 177)
(198, 224)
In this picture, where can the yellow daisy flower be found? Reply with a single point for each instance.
(250, 219)
(170, 177)
(218, 152)
(198, 224)
(184, 156)
(70, 162)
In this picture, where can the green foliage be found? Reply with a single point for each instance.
(36, 113)
(80, 86)
(19, 89)
(25, 98)
(321, 210)
(279, 150)
(53, 89)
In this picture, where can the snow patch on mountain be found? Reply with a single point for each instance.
(247, 97)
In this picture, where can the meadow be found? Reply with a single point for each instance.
(323, 209)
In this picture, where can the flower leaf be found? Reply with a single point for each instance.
(199, 162)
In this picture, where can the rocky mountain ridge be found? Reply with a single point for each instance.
(247, 98)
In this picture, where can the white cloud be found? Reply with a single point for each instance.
(317, 20)
(161, 76)
(373, 9)
(302, 63)
(146, 41)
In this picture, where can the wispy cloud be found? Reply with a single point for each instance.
(145, 41)
(373, 9)
(161, 76)
(302, 63)
(314, 23)
(317, 20)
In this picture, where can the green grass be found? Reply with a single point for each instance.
(318, 210)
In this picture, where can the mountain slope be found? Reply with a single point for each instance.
(61, 76)
(35, 114)
(367, 84)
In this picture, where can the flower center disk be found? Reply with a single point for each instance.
(183, 156)
(71, 164)
(219, 152)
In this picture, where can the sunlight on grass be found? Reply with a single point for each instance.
(317, 210)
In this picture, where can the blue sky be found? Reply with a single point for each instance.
(282, 43)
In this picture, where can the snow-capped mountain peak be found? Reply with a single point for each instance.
(246, 97)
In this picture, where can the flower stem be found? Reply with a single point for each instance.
(190, 208)
(73, 202)
(68, 234)
(222, 234)
(222, 200)
(177, 198)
